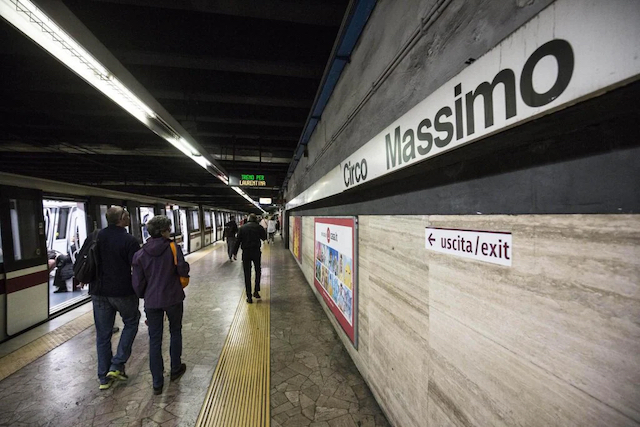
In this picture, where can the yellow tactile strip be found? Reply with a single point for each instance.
(24, 355)
(239, 392)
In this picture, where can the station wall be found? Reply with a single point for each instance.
(551, 340)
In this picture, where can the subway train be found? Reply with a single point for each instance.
(44, 223)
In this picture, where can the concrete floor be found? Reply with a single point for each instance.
(314, 381)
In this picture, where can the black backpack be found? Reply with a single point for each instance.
(86, 266)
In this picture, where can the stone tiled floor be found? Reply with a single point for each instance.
(314, 381)
(61, 388)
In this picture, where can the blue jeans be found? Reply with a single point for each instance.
(104, 316)
(155, 322)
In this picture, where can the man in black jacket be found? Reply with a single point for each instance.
(249, 237)
(113, 293)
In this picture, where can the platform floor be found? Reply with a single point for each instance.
(313, 381)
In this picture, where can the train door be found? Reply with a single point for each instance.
(207, 226)
(66, 231)
(182, 218)
(195, 230)
(24, 259)
(219, 226)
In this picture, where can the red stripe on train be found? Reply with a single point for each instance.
(27, 281)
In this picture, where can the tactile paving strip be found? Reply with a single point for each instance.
(239, 392)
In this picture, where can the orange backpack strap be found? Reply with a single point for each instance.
(175, 255)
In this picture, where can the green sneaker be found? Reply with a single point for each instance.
(106, 385)
(117, 375)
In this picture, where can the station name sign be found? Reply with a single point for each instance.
(548, 64)
(248, 180)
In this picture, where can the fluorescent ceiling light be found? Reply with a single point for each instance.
(35, 24)
(246, 196)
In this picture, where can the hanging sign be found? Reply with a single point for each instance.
(247, 180)
(336, 270)
(488, 246)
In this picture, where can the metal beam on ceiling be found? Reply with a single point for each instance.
(308, 12)
(248, 66)
(232, 99)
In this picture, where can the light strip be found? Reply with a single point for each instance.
(35, 24)
(246, 196)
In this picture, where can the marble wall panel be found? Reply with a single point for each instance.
(394, 297)
(552, 340)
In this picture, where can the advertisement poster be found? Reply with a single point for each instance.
(297, 237)
(335, 269)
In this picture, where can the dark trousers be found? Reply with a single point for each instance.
(155, 322)
(231, 242)
(249, 256)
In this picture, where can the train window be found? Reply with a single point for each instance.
(195, 220)
(1, 256)
(146, 213)
(207, 219)
(172, 219)
(103, 216)
(24, 227)
(61, 232)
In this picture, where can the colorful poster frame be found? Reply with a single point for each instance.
(297, 238)
(335, 270)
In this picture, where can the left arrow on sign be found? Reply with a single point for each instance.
(431, 239)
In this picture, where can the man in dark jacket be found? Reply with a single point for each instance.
(156, 278)
(249, 237)
(112, 292)
(230, 232)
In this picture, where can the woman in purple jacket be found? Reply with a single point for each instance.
(157, 279)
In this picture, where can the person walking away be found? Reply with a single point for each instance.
(230, 232)
(249, 237)
(271, 229)
(263, 223)
(112, 293)
(157, 279)
(278, 228)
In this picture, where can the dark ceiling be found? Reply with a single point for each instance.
(239, 75)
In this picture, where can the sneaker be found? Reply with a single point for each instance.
(106, 385)
(256, 295)
(117, 375)
(249, 300)
(177, 374)
(157, 390)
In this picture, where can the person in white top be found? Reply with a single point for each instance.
(271, 229)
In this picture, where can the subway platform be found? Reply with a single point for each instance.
(276, 362)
